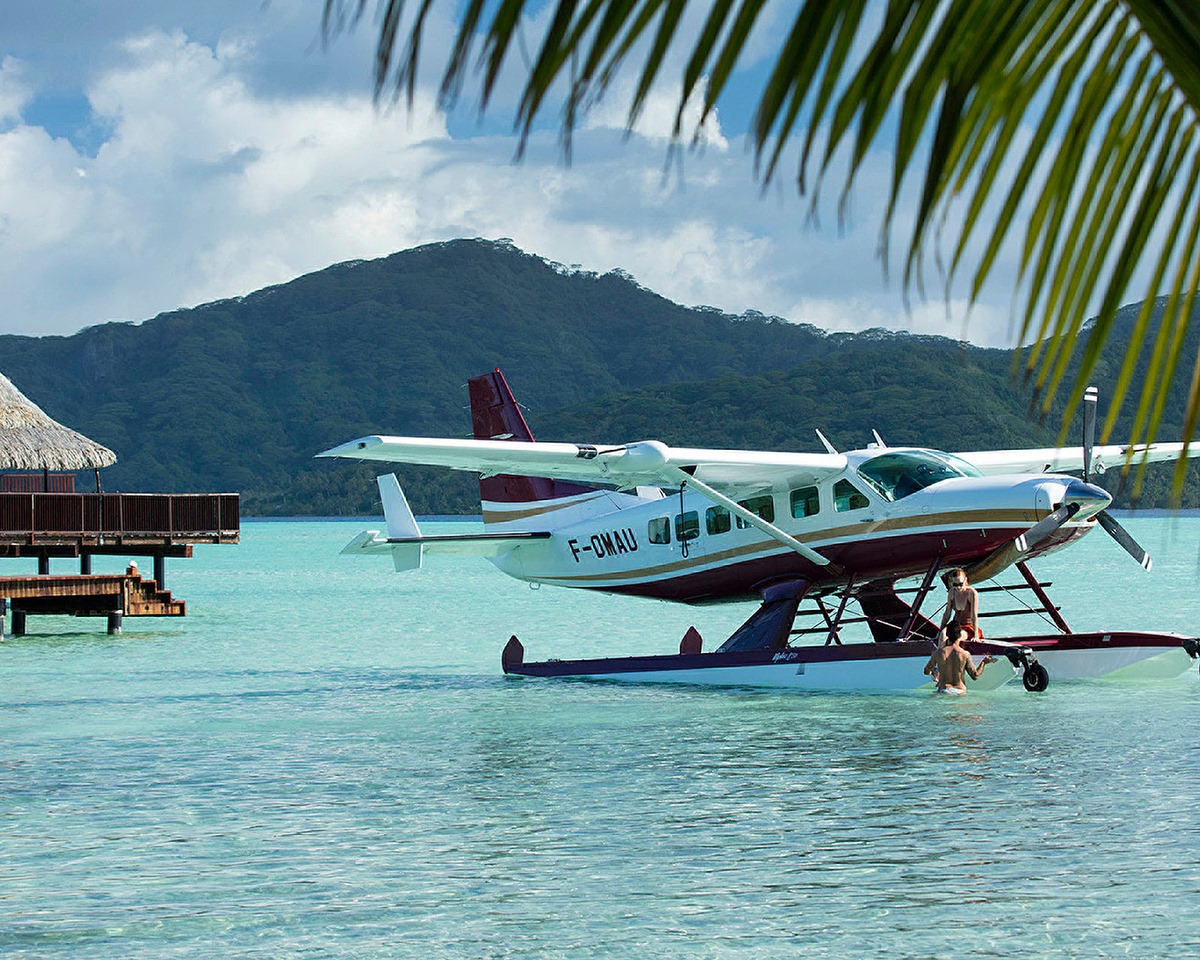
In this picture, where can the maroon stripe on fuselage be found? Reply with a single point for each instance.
(893, 558)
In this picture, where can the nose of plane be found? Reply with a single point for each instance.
(1091, 498)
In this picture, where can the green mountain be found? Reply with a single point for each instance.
(914, 391)
(239, 394)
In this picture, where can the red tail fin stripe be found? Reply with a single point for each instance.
(494, 416)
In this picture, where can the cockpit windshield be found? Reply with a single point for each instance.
(897, 475)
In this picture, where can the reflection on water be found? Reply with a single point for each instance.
(344, 773)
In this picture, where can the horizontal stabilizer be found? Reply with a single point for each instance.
(407, 545)
(409, 550)
(405, 556)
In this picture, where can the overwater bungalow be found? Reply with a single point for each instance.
(43, 516)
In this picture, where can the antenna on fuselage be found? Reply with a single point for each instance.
(828, 446)
(878, 439)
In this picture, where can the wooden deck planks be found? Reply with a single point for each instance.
(91, 595)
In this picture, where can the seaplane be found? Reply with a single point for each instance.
(830, 529)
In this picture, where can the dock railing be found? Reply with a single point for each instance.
(159, 515)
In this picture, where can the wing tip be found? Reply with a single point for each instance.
(351, 449)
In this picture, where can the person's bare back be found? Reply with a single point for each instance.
(952, 663)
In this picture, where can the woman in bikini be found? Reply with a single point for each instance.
(962, 605)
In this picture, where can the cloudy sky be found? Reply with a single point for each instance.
(156, 155)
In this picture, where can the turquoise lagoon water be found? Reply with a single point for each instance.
(323, 760)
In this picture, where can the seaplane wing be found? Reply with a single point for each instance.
(1060, 459)
(647, 462)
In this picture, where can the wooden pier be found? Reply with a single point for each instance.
(83, 525)
(114, 597)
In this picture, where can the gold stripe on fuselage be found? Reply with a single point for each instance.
(504, 516)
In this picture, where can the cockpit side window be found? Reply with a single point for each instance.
(901, 474)
(964, 467)
(846, 496)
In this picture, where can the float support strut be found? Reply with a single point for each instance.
(1041, 594)
(834, 636)
(920, 598)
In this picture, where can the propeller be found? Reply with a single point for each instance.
(1015, 549)
(1107, 521)
(1009, 553)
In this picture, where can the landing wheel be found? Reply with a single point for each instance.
(1035, 678)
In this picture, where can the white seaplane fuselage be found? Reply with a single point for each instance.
(665, 545)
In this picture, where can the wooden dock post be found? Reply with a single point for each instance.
(114, 623)
(18, 622)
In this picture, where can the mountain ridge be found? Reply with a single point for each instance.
(239, 394)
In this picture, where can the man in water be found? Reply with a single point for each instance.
(951, 662)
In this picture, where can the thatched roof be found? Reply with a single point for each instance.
(30, 440)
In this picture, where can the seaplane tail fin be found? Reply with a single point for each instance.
(496, 416)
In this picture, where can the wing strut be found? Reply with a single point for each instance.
(754, 520)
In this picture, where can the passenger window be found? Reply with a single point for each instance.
(687, 525)
(658, 530)
(846, 496)
(805, 502)
(716, 520)
(762, 506)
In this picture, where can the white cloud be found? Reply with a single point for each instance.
(983, 324)
(211, 182)
(15, 92)
(656, 118)
(202, 190)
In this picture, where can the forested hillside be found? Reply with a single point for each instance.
(239, 394)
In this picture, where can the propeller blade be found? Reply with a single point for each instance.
(1009, 553)
(1090, 397)
(1046, 526)
(1118, 533)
